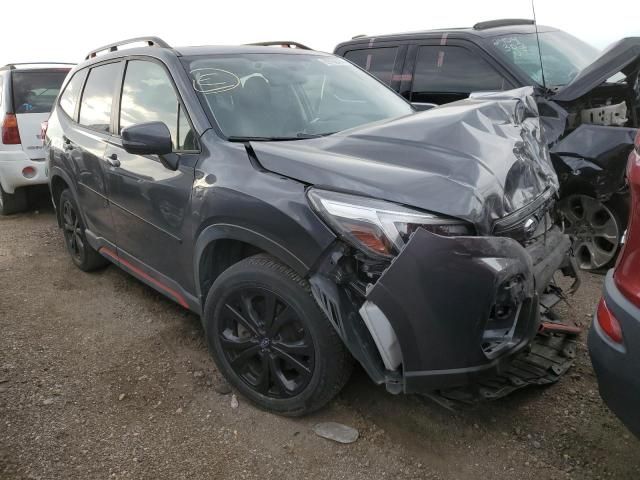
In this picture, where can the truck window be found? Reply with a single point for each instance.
(447, 73)
(377, 61)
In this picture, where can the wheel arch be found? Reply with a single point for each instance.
(220, 246)
(59, 180)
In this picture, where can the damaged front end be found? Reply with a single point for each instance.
(590, 124)
(454, 305)
(450, 312)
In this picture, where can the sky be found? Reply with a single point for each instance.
(66, 30)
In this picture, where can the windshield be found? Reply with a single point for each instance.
(563, 55)
(275, 96)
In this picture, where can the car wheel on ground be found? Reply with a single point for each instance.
(270, 339)
(595, 227)
(13, 203)
(82, 254)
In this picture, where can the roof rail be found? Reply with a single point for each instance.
(113, 47)
(505, 22)
(12, 66)
(284, 44)
(358, 36)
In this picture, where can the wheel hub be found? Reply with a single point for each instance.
(265, 343)
(593, 228)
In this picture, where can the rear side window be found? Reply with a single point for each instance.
(447, 69)
(377, 61)
(97, 98)
(148, 96)
(71, 93)
(36, 91)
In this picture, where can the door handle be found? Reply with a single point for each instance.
(113, 160)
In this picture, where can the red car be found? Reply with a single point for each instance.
(614, 339)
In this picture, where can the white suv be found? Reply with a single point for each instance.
(27, 93)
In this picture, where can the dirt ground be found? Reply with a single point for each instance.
(101, 377)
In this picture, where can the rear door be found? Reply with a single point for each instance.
(33, 93)
(149, 202)
(443, 71)
(85, 140)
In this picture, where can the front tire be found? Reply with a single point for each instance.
(13, 203)
(270, 339)
(82, 254)
(596, 230)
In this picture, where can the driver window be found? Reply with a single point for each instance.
(148, 96)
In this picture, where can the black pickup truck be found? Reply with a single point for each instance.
(588, 100)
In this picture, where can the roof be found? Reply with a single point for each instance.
(459, 31)
(38, 66)
(158, 48)
(241, 49)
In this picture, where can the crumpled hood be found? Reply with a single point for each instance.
(621, 56)
(478, 160)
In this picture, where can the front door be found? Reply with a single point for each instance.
(444, 71)
(149, 202)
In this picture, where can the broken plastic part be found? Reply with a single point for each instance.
(383, 334)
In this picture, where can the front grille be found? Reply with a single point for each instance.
(529, 222)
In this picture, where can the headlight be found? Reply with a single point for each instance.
(379, 227)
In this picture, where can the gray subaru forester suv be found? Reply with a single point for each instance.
(310, 216)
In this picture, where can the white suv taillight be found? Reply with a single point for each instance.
(43, 130)
(10, 132)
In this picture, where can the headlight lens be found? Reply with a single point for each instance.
(380, 228)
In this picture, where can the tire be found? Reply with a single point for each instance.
(291, 362)
(13, 203)
(595, 228)
(82, 254)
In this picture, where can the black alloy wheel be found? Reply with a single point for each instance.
(270, 339)
(265, 343)
(75, 239)
(73, 234)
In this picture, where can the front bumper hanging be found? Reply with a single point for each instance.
(450, 312)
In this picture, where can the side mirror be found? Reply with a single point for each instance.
(151, 138)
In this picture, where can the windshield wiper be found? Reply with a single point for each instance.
(299, 136)
(314, 135)
(235, 138)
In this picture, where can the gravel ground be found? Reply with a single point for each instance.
(101, 377)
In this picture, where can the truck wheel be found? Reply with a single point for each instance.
(596, 230)
(13, 203)
(270, 339)
(82, 254)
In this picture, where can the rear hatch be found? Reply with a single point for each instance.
(33, 93)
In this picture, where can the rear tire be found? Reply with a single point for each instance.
(82, 254)
(270, 339)
(13, 203)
